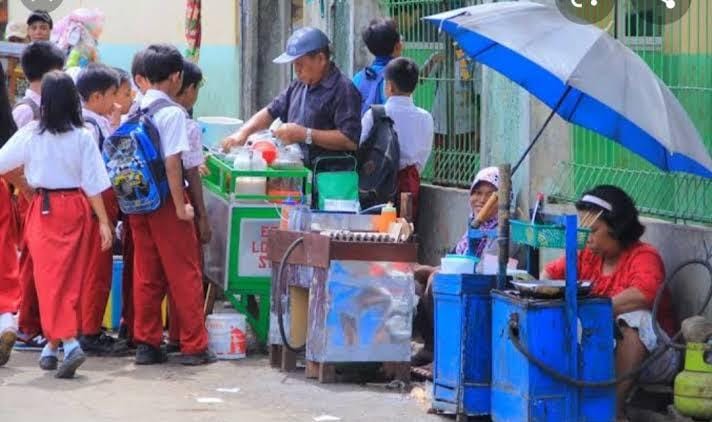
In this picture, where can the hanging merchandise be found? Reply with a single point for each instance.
(193, 29)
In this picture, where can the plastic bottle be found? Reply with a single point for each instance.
(287, 206)
(389, 215)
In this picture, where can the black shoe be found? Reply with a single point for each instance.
(49, 363)
(103, 345)
(172, 348)
(205, 358)
(7, 342)
(70, 364)
(147, 355)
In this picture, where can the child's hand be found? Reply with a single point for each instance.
(106, 235)
(187, 213)
(115, 116)
(203, 170)
(205, 233)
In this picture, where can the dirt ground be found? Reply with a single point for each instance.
(111, 389)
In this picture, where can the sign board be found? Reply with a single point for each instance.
(252, 252)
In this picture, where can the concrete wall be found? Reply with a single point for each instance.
(133, 24)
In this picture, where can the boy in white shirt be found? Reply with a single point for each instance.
(165, 241)
(413, 124)
(97, 85)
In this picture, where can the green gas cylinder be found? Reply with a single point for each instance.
(693, 386)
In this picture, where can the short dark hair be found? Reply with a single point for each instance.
(39, 58)
(96, 77)
(623, 219)
(403, 73)
(61, 109)
(160, 61)
(40, 16)
(381, 37)
(192, 75)
(124, 77)
(137, 67)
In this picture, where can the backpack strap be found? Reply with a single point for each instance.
(32, 105)
(92, 121)
(157, 106)
(379, 113)
(369, 86)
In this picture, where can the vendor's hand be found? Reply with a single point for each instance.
(203, 170)
(291, 133)
(187, 213)
(205, 233)
(237, 139)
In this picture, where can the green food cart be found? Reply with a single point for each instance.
(236, 258)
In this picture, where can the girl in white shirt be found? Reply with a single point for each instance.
(64, 167)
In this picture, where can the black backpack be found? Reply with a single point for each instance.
(378, 161)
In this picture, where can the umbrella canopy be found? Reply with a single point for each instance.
(585, 75)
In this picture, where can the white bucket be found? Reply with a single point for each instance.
(227, 335)
(216, 128)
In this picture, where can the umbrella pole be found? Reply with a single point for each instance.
(541, 131)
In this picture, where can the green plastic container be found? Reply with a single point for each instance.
(693, 386)
(544, 235)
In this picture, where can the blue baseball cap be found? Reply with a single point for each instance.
(302, 42)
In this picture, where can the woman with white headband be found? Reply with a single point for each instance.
(629, 272)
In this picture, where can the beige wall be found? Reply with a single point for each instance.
(690, 34)
(146, 21)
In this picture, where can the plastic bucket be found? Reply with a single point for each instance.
(227, 335)
(216, 128)
(458, 264)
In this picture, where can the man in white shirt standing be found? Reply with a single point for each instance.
(413, 124)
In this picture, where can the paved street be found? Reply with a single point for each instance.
(116, 390)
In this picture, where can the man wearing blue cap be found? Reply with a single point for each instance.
(321, 109)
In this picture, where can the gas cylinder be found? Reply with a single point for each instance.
(693, 386)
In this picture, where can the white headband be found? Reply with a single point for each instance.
(597, 201)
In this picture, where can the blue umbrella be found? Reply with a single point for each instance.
(585, 76)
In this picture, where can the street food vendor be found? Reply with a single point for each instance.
(485, 184)
(321, 109)
(629, 272)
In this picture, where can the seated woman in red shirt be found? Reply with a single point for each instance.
(629, 272)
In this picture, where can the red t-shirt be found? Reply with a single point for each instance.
(640, 266)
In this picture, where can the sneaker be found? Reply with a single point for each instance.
(31, 343)
(103, 345)
(70, 364)
(49, 363)
(205, 358)
(7, 341)
(147, 355)
(172, 348)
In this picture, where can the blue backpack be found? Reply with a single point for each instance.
(368, 87)
(135, 163)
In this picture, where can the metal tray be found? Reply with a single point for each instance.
(548, 288)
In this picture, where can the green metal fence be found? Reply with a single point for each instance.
(680, 53)
(450, 89)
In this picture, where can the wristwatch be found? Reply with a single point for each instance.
(309, 139)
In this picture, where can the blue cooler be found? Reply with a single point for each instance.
(462, 365)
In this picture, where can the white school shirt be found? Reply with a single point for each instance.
(63, 161)
(23, 113)
(414, 127)
(102, 122)
(171, 123)
(194, 157)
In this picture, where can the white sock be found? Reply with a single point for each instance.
(7, 322)
(70, 346)
(48, 351)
